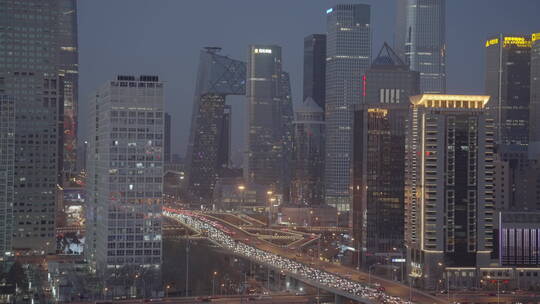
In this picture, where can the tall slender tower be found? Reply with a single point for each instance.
(125, 184)
(379, 157)
(34, 80)
(308, 155)
(508, 79)
(265, 131)
(315, 68)
(7, 166)
(421, 39)
(348, 56)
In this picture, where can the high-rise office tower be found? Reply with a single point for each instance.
(315, 68)
(449, 207)
(307, 187)
(7, 165)
(420, 38)
(125, 183)
(379, 157)
(69, 71)
(167, 139)
(29, 73)
(348, 56)
(534, 108)
(209, 142)
(508, 78)
(266, 110)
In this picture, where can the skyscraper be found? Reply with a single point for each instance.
(268, 102)
(420, 38)
(307, 187)
(449, 207)
(69, 71)
(209, 142)
(508, 78)
(379, 157)
(348, 56)
(7, 165)
(125, 184)
(315, 68)
(29, 73)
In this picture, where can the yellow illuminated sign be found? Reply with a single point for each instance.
(517, 41)
(378, 111)
(535, 36)
(492, 42)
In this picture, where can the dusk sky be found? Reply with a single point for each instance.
(163, 37)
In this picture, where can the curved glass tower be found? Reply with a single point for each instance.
(421, 40)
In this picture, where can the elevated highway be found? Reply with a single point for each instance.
(339, 280)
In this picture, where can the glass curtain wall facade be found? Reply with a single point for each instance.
(421, 40)
(315, 68)
(348, 56)
(209, 142)
(125, 184)
(269, 113)
(379, 157)
(29, 73)
(7, 165)
(508, 79)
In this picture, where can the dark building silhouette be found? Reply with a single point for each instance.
(269, 114)
(69, 71)
(315, 68)
(307, 188)
(508, 79)
(379, 157)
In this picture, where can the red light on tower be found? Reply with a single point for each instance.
(364, 84)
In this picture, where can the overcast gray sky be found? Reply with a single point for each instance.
(163, 37)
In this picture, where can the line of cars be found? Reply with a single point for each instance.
(223, 236)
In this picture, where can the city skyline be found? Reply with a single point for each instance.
(465, 51)
(354, 151)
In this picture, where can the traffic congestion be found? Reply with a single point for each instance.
(224, 237)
